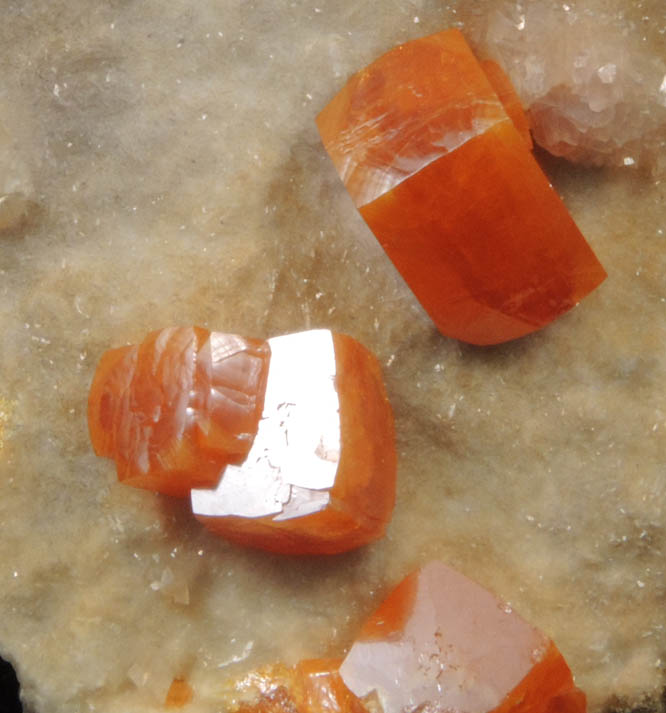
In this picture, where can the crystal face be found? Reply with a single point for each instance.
(441, 642)
(287, 445)
(293, 461)
(320, 477)
(175, 409)
(502, 86)
(446, 181)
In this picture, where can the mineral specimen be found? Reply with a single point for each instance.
(175, 409)
(320, 477)
(595, 92)
(449, 187)
(441, 642)
(292, 438)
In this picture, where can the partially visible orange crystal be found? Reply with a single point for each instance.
(441, 642)
(180, 693)
(446, 181)
(174, 410)
(311, 686)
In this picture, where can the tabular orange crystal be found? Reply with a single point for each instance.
(174, 410)
(320, 478)
(312, 686)
(441, 642)
(287, 445)
(446, 181)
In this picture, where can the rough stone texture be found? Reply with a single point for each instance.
(595, 92)
(173, 150)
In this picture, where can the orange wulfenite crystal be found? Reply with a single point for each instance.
(441, 642)
(179, 694)
(447, 183)
(320, 478)
(287, 445)
(312, 686)
(175, 409)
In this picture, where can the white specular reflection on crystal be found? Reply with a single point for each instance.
(294, 458)
(367, 182)
(431, 661)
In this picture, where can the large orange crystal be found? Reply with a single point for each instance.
(441, 642)
(320, 478)
(447, 183)
(174, 410)
(287, 445)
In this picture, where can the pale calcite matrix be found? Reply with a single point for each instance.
(172, 153)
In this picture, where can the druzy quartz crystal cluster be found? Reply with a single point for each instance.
(439, 642)
(594, 91)
(433, 151)
(285, 444)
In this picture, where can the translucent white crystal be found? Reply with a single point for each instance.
(595, 93)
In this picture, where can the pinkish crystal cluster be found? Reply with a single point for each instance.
(594, 85)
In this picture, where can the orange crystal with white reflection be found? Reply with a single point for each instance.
(320, 477)
(447, 183)
(441, 642)
(287, 445)
(174, 410)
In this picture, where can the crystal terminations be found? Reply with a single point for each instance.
(286, 445)
(448, 185)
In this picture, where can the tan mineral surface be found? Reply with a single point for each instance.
(160, 165)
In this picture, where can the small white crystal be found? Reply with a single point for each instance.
(607, 73)
(138, 675)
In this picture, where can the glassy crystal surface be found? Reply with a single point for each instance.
(175, 409)
(293, 437)
(441, 642)
(449, 187)
(320, 476)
